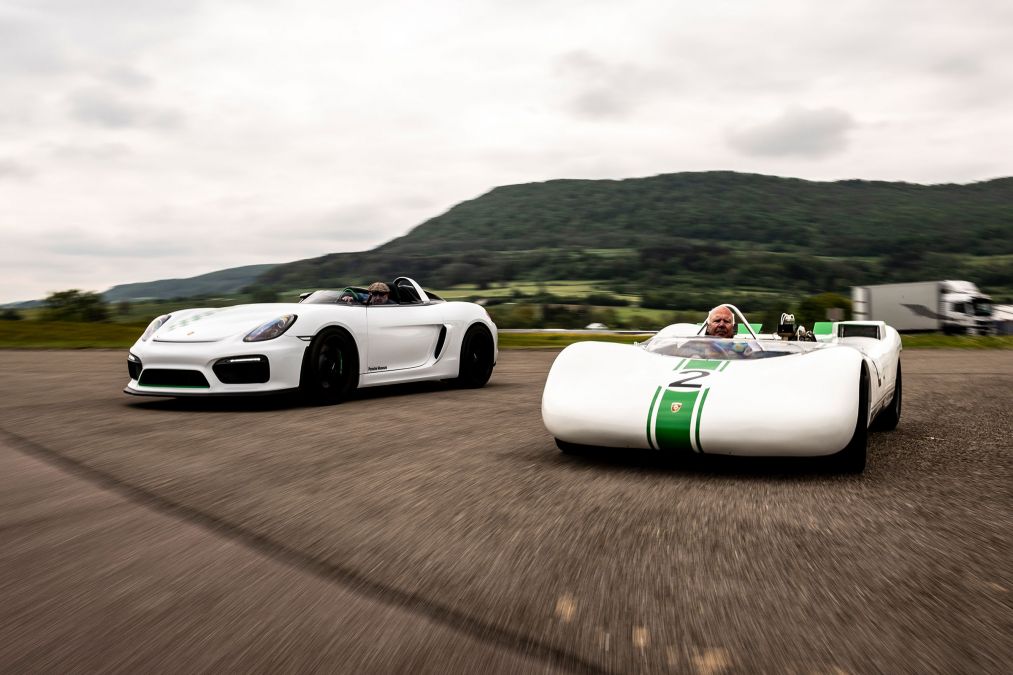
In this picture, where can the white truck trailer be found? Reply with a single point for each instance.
(948, 306)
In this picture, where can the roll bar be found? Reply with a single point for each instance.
(740, 318)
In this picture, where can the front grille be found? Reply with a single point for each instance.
(253, 369)
(163, 377)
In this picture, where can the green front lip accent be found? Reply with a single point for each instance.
(173, 386)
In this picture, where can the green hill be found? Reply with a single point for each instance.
(668, 236)
(222, 282)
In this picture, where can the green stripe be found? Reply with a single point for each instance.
(703, 364)
(672, 429)
(699, 414)
(680, 430)
(650, 413)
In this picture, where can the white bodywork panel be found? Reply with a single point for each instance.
(395, 343)
(803, 403)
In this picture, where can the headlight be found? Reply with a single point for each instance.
(154, 325)
(271, 329)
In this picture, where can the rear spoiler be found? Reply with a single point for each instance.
(827, 331)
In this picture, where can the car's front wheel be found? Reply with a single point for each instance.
(477, 354)
(889, 417)
(852, 458)
(330, 370)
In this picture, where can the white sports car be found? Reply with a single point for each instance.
(327, 345)
(755, 394)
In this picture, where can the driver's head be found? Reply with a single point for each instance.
(378, 292)
(721, 322)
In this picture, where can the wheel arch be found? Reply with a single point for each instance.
(335, 328)
(865, 391)
(477, 322)
(466, 375)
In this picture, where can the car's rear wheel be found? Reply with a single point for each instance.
(889, 417)
(852, 458)
(330, 370)
(477, 355)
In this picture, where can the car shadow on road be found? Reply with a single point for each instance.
(726, 466)
(289, 400)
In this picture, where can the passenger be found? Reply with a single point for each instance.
(379, 294)
(720, 322)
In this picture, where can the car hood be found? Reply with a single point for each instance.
(212, 324)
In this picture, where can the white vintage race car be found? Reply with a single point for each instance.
(756, 394)
(327, 344)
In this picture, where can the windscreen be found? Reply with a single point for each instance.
(982, 308)
(726, 350)
(347, 296)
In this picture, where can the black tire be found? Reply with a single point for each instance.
(476, 358)
(330, 371)
(852, 458)
(889, 417)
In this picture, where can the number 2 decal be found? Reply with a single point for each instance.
(688, 380)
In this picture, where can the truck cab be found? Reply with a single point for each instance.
(965, 308)
(950, 306)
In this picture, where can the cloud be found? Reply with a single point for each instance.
(102, 108)
(797, 132)
(79, 243)
(101, 152)
(26, 49)
(12, 170)
(604, 90)
(126, 77)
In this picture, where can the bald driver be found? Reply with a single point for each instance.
(720, 322)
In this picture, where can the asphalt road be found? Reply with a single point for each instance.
(426, 529)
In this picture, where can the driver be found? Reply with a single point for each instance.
(720, 323)
(379, 294)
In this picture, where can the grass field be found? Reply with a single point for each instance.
(68, 335)
(570, 289)
(71, 335)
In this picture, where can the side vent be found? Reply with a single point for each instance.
(439, 342)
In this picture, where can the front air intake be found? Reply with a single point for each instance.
(252, 369)
(134, 366)
(164, 377)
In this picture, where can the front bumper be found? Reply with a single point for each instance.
(226, 367)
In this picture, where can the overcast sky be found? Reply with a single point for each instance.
(147, 139)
